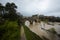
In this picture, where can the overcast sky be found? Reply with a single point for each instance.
(30, 7)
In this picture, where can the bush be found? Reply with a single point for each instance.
(9, 31)
(52, 30)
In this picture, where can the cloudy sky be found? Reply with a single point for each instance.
(30, 7)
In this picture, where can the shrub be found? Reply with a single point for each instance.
(9, 31)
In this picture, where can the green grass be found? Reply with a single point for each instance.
(30, 35)
(10, 31)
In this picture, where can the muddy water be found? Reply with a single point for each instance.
(36, 28)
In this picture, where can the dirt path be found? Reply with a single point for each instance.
(22, 34)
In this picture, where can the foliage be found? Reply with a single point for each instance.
(49, 18)
(9, 11)
(52, 30)
(9, 20)
(9, 31)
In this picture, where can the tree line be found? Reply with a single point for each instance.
(9, 12)
(10, 22)
(49, 18)
(46, 18)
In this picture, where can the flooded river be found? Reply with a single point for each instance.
(37, 28)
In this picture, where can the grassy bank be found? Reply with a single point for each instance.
(30, 35)
(9, 31)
